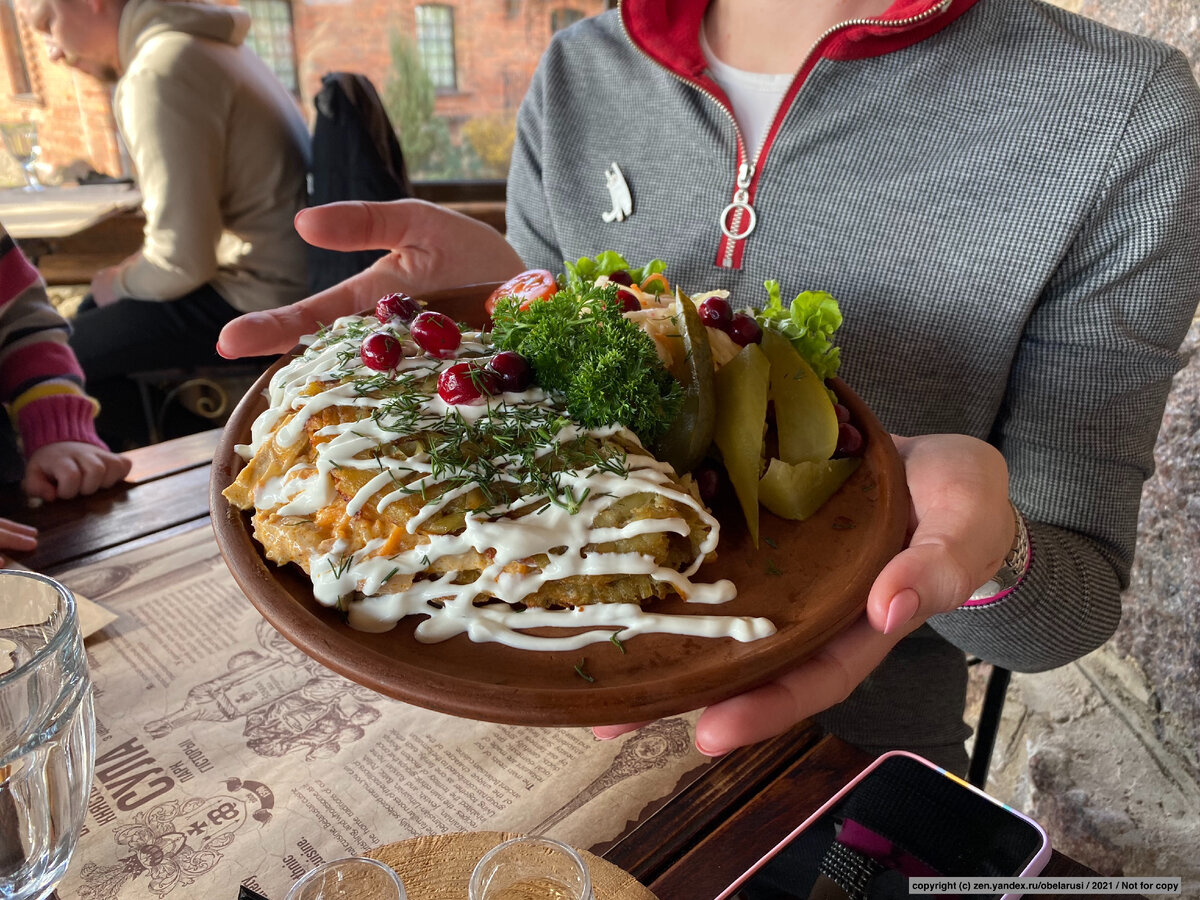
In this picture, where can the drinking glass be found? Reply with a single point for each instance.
(352, 878)
(21, 141)
(531, 868)
(47, 733)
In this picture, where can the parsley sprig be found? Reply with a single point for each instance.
(605, 366)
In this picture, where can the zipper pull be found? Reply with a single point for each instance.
(740, 211)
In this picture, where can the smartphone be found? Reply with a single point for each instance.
(901, 817)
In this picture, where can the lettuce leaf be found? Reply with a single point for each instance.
(587, 269)
(809, 322)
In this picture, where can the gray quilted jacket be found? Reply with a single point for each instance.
(1005, 199)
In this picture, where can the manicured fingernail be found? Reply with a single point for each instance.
(902, 608)
(708, 751)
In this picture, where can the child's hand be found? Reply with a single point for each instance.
(69, 469)
(15, 536)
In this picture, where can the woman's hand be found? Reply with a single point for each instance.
(15, 536)
(67, 469)
(431, 248)
(961, 529)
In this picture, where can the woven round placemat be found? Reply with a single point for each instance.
(438, 866)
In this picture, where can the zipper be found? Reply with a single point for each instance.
(738, 219)
(740, 208)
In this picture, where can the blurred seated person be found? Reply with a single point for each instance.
(221, 155)
(53, 450)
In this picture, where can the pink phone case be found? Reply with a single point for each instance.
(1035, 865)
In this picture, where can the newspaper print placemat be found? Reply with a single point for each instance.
(225, 756)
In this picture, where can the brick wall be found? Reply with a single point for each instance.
(497, 45)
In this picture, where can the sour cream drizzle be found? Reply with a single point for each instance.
(340, 572)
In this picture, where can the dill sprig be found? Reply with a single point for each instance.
(342, 566)
(521, 450)
(581, 671)
(582, 347)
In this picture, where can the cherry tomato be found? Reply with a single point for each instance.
(536, 284)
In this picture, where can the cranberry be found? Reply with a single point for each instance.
(744, 330)
(436, 334)
(708, 482)
(850, 440)
(621, 277)
(466, 382)
(399, 306)
(381, 351)
(843, 414)
(511, 370)
(629, 300)
(715, 312)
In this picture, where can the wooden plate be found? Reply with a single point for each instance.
(810, 578)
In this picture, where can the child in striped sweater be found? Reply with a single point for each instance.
(41, 385)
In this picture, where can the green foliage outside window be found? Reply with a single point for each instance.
(408, 96)
(430, 152)
(491, 139)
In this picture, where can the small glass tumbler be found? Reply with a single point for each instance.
(21, 141)
(531, 868)
(352, 878)
(47, 733)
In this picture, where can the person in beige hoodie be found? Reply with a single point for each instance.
(221, 155)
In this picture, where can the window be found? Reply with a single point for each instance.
(14, 53)
(452, 100)
(271, 37)
(561, 18)
(435, 43)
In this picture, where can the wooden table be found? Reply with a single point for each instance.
(720, 819)
(71, 231)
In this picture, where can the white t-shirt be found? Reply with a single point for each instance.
(754, 96)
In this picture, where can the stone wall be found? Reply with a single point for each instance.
(1104, 751)
(1160, 627)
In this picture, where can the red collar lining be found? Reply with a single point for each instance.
(668, 32)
